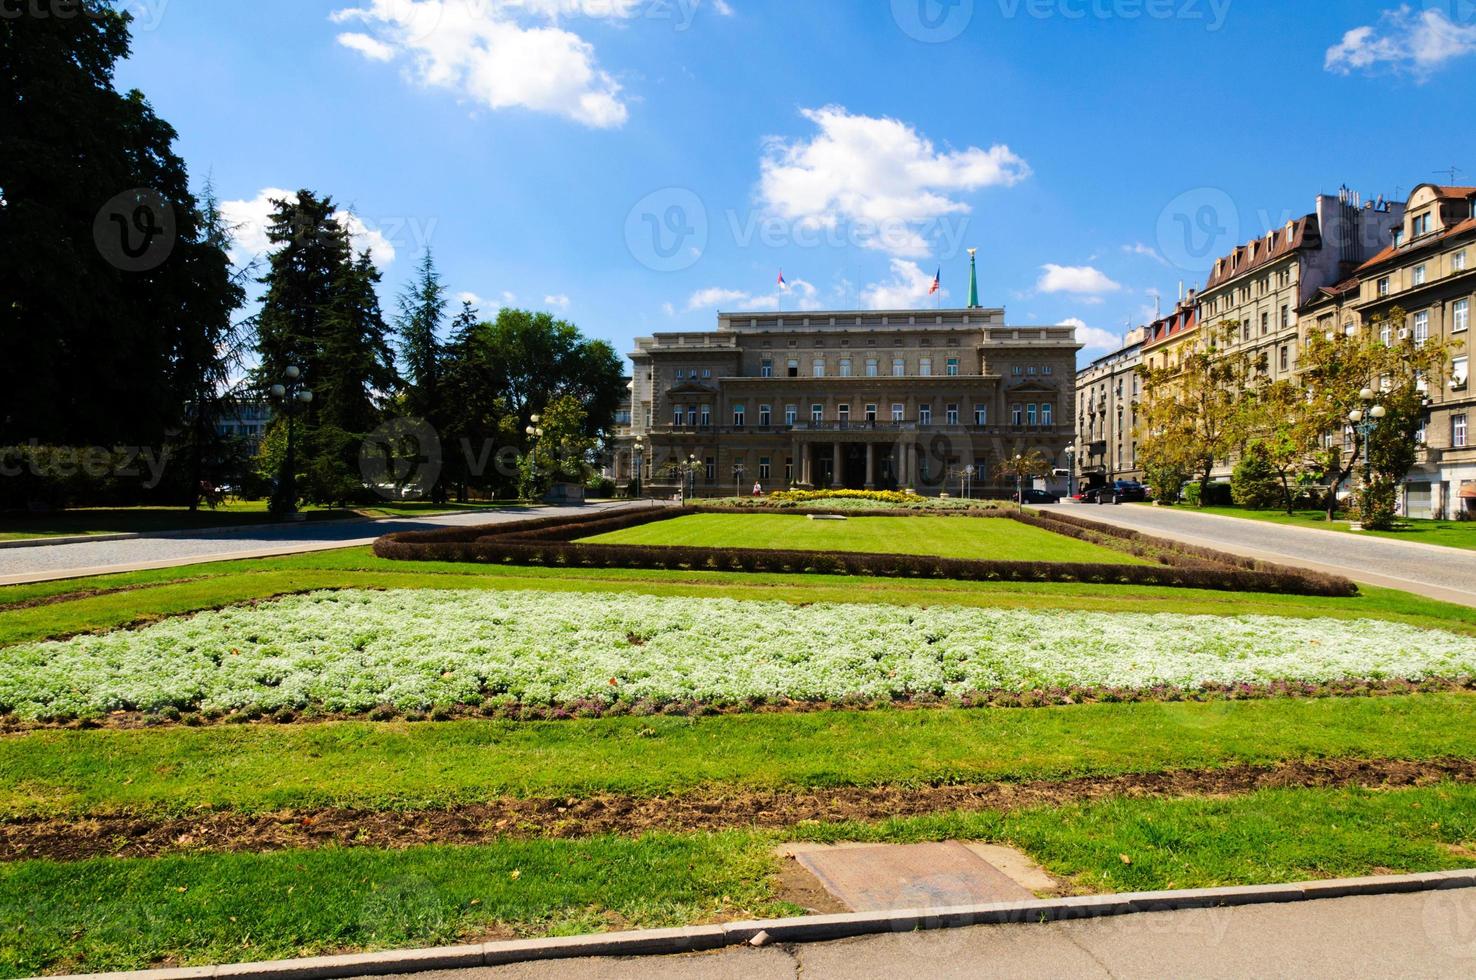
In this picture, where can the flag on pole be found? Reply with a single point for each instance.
(937, 282)
(782, 283)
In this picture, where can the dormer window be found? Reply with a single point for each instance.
(1420, 225)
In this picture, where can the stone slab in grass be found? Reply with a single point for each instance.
(890, 877)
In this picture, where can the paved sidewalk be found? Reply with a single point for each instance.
(1430, 934)
(1429, 570)
(133, 554)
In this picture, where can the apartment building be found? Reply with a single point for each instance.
(859, 399)
(1107, 393)
(1429, 272)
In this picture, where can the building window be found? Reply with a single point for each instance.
(1420, 225)
(1459, 434)
(871, 413)
(845, 367)
(764, 467)
(1286, 316)
(706, 416)
(738, 416)
(871, 367)
(1047, 370)
(766, 369)
(1030, 415)
(952, 415)
(1017, 415)
(952, 367)
(1386, 333)
(1460, 315)
(788, 470)
(676, 415)
(925, 367)
(1017, 370)
(1265, 324)
(898, 411)
(899, 367)
(1421, 327)
(791, 414)
(1419, 275)
(680, 375)
(981, 415)
(818, 367)
(843, 413)
(766, 415)
(1384, 286)
(925, 414)
(793, 368)
(1047, 414)
(709, 468)
(706, 373)
(1458, 261)
(1285, 357)
(817, 413)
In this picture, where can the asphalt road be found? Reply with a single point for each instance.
(162, 551)
(1431, 934)
(1428, 570)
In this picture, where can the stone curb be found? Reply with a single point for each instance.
(816, 928)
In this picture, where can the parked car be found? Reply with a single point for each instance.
(1033, 496)
(1117, 492)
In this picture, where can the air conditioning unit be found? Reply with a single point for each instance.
(1403, 333)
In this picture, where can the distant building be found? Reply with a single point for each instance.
(249, 423)
(856, 398)
(1107, 393)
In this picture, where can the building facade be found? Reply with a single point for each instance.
(858, 399)
(1107, 393)
(1429, 273)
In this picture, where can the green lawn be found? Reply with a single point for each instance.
(1449, 534)
(994, 538)
(232, 513)
(399, 765)
(109, 914)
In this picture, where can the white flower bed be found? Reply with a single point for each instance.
(351, 651)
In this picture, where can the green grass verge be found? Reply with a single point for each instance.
(135, 597)
(996, 538)
(391, 765)
(1448, 534)
(110, 914)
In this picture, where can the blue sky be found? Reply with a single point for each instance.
(636, 165)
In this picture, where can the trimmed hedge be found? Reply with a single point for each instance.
(551, 542)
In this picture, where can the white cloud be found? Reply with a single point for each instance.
(370, 48)
(1406, 41)
(249, 221)
(908, 289)
(1081, 279)
(479, 50)
(800, 296)
(1138, 248)
(558, 301)
(1094, 338)
(879, 176)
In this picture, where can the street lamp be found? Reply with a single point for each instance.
(640, 459)
(967, 489)
(535, 433)
(1364, 423)
(1071, 470)
(292, 395)
(692, 463)
(738, 479)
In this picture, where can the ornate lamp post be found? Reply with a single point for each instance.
(738, 472)
(967, 490)
(1364, 423)
(692, 463)
(291, 394)
(640, 459)
(535, 433)
(1071, 470)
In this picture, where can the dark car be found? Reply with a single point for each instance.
(1033, 496)
(1118, 492)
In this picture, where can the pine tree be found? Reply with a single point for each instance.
(422, 308)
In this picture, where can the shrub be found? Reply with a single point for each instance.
(1255, 484)
(600, 486)
(1165, 482)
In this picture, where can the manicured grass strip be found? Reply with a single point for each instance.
(398, 765)
(211, 585)
(993, 538)
(1449, 534)
(111, 915)
(106, 914)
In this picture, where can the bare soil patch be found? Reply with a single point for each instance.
(127, 835)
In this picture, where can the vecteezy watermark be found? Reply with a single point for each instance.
(1211, 13)
(1197, 227)
(667, 230)
(402, 453)
(145, 14)
(933, 21)
(135, 231)
(1461, 12)
(95, 462)
(941, 236)
(1449, 918)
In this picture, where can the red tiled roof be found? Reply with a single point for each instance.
(1252, 255)
(1459, 228)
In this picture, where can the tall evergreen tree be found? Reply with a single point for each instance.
(422, 308)
(99, 348)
